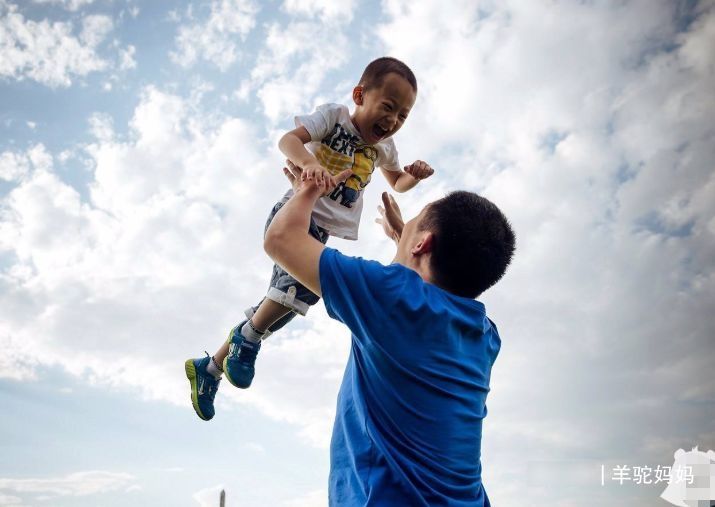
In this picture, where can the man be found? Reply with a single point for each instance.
(410, 408)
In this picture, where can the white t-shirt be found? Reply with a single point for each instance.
(337, 145)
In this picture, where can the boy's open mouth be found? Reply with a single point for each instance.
(378, 132)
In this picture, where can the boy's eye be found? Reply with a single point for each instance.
(403, 117)
(387, 106)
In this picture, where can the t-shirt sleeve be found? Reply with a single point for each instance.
(321, 122)
(358, 292)
(388, 156)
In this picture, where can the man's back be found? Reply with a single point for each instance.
(410, 409)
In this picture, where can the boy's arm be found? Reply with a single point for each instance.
(292, 144)
(402, 181)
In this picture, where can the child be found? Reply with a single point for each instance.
(338, 145)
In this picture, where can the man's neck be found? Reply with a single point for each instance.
(420, 264)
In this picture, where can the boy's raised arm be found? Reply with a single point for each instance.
(402, 181)
(292, 144)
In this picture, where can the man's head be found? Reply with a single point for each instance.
(383, 98)
(469, 240)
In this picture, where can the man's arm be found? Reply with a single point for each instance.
(287, 241)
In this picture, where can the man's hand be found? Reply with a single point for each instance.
(318, 173)
(419, 170)
(390, 217)
(315, 175)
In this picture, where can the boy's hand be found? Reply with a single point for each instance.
(322, 181)
(318, 173)
(390, 217)
(419, 170)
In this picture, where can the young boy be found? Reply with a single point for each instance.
(328, 144)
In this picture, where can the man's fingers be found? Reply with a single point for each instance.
(387, 200)
(289, 174)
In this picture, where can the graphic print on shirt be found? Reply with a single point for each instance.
(341, 150)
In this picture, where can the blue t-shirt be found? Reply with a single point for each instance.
(409, 417)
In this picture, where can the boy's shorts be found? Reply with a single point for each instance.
(285, 289)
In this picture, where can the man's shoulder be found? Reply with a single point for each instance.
(372, 272)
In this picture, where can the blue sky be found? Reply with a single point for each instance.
(138, 162)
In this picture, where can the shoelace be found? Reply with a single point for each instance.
(247, 353)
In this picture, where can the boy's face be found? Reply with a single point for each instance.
(381, 111)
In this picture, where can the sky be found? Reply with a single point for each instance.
(139, 161)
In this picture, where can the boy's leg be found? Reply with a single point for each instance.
(286, 297)
(268, 313)
(204, 374)
(274, 312)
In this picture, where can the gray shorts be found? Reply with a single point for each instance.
(285, 289)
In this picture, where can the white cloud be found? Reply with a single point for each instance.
(126, 58)
(76, 484)
(327, 11)
(13, 166)
(10, 501)
(214, 39)
(70, 5)
(48, 52)
(292, 67)
(95, 29)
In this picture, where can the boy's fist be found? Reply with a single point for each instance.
(419, 170)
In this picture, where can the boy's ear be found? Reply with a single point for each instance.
(357, 95)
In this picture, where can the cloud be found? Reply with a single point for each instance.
(10, 500)
(13, 166)
(70, 5)
(50, 53)
(292, 67)
(327, 11)
(214, 39)
(76, 484)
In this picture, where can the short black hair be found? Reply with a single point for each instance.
(376, 70)
(473, 243)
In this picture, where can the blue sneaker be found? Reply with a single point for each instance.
(239, 364)
(203, 386)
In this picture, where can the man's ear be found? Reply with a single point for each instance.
(424, 245)
(357, 95)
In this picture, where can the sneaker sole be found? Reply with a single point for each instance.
(191, 375)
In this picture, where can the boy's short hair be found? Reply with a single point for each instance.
(376, 70)
(473, 243)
